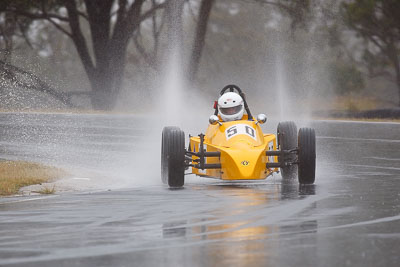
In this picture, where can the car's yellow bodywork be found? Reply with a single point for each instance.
(242, 145)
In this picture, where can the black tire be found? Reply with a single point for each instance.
(164, 152)
(287, 139)
(306, 156)
(173, 157)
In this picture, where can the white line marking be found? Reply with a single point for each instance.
(359, 139)
(380, 220)
(382, 158)
(28, 199)
(368, 166)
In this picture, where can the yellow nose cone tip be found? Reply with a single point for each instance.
(247, 169)
(245, 164)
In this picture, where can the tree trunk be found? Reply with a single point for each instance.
(107, 84)
(398, 80)
(396, 62)
(101, 91)
(8, 30)
(99, 16)
(200, 37)
(391, 53)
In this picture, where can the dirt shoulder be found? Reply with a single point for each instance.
(376, 115)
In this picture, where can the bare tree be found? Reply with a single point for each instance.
(108, 40)
(378, 23)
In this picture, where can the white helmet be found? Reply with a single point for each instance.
(230, 106)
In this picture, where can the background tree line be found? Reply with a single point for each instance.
(122, 45)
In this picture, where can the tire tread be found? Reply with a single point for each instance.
(173, 156)
(307, 156)
(287, 139)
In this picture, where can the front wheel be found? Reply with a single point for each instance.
(287, 140)
(306, 156)
(173, 156)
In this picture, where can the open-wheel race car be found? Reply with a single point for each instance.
(238, 149)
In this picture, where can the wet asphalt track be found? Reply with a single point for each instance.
(351, 217)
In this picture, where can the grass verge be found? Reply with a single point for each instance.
(46, 190)
(356, 119)
(17, 174)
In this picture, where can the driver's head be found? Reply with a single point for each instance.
(230, 107)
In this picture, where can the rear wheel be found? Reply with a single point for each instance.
(306, 156)
(287, 140)
(173, 157)
(164, 152)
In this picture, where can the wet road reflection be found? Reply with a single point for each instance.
(249, 230)
(247, 208)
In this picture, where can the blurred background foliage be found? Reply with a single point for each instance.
(112, 54)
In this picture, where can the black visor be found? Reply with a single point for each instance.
(231, 110)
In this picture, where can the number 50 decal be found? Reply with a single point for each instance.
(240, 129)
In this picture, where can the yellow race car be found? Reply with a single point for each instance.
(239, 150)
